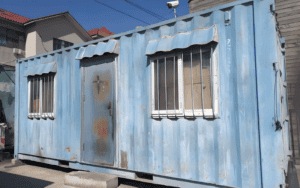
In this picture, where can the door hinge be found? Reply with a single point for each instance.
(83, 147)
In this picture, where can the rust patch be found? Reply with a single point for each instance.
(68, 149)
(74, 158)
(124, 162)
(101, 85)
(100, 146)
(100, 127)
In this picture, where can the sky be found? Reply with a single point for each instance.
(90, 14)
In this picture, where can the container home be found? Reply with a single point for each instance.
(195, 101)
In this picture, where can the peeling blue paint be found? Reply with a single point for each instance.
(238, 149)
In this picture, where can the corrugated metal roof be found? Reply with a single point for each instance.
(183, 40)
(41, 69)
(99, 49)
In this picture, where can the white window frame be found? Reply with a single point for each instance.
(182, 112)
(40, 114)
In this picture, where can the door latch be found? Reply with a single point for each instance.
(109, 106)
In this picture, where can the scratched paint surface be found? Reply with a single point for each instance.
(98, 123)
(223, 151)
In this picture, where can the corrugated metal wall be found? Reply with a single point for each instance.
(58, 138)
(224, 151)
(203, 150)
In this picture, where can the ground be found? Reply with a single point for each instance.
(33, 175)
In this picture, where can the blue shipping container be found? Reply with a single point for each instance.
(196, 101)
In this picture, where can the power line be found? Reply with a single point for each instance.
(121, 12)
(146, 10)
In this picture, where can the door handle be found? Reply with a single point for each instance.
(109, 106)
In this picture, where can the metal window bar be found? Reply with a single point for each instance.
(166, 91)
(35, 96)
(44, 101)
(31, 95)
(201, 82)
(52, 91)
(192, 82)
(174, 85)
(38, 91)
(157, 75)
(211, 82)
(48, 98)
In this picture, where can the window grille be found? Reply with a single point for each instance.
(41, 96)
(59, 44)
(182, 83)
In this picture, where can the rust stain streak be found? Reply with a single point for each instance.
(74, 157)
(68, 149)
(124, 162)
(100, 129)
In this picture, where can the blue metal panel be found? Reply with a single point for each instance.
(170, 42)
(58, 138)
(41, 69)
(226, 151)
(39, 159)
(272, 151)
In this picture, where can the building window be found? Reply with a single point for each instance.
(59, 44)
(12, 39)
(2, 36)
(41, 96)
(184, 83)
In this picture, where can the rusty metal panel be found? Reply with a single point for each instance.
(239, 149)
(98, 110)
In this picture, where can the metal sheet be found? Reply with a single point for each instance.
(239, 149)
(98, 126)
(41, 69)
(99, 49)
(166, 43)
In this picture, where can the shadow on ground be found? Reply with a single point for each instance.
(48, 166)
(8, 180)
(138, 184)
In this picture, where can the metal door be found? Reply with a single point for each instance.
(98, 110)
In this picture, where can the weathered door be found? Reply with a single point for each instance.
(98, 110)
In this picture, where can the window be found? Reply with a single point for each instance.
(12, 39)
(184, 83)
(2, 36)
(58, 44)
(41, 96)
